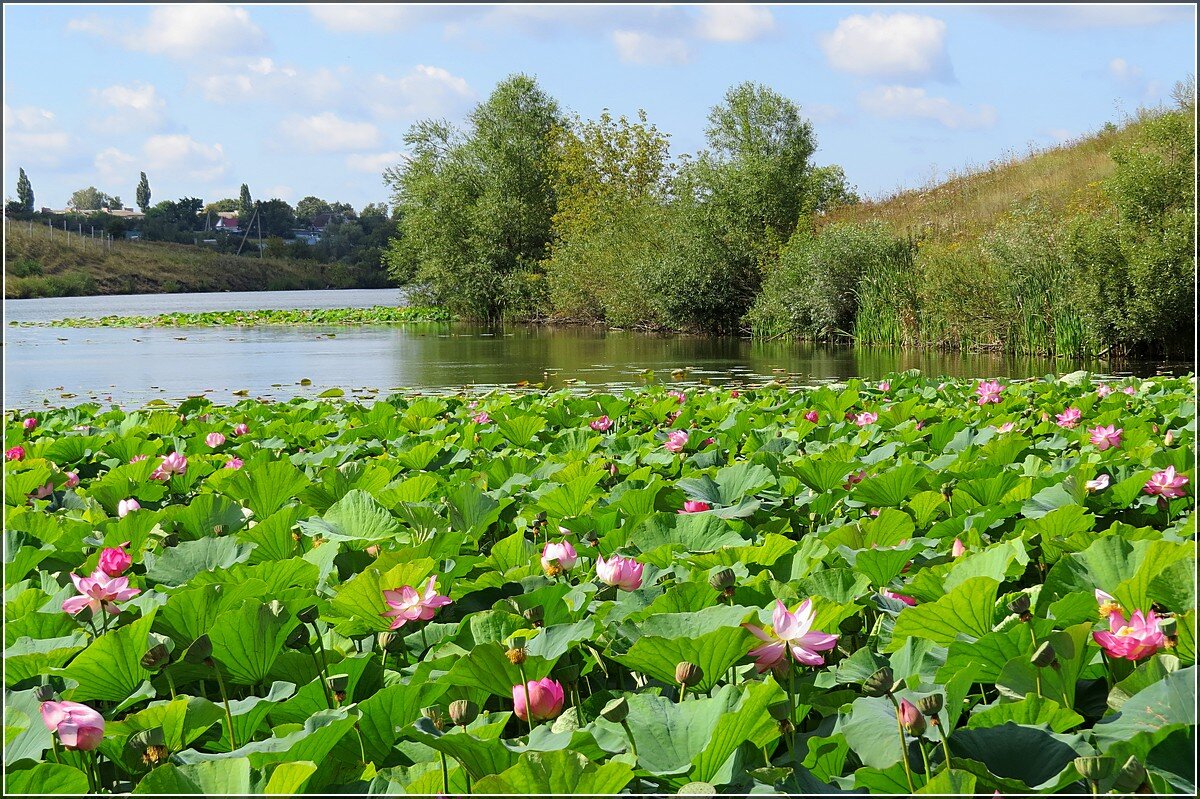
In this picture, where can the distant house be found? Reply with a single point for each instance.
(307, 235)
(228, 224)
(320, 222)
(124, 213)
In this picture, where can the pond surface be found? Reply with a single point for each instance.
(129, 366)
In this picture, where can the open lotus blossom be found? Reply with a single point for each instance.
(884, 385)
(812, 416)
(1130, 390)
(988, 391)
(854, 478)
(407, 604)
(791, 633)
(958, 548)
(865, 418)
(679, 396)
(72, 479)
(624, 573)
(174, 463)
(139, 458)
(1099, 484)
(126, 507)
(1007, 427)
(481, 418)
(77, 726)
(905, 598)
(545, 699)
(241, 429)
(602, 424)
(1107, 604)
(115, 560)
(1105, 437)
(100, 591)
(563, 553)
(29, 423)
(1103, 391)
(695, 506)
(1069, 418)
(14, 454)
(214, 440)
(676, 440)
(234, 463)
(1166, 484)
(1133, 639)
(735, 394)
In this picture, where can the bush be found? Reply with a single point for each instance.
(25, 267)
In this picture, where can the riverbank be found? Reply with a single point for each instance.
(377, 315)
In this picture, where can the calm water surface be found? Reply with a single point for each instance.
(129, 366)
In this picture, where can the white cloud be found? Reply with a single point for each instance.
(184, 31)
(1095, 15)
(734, 23)
(906, 102)
(823, 113)
(262, 80)
(170, 158)
(371, 18)
(638, 47)
(32, 138)
(422, 92)
(374, 163)
(1123, 71)
(114, 165)
(891, 46)
(329, 133)
(135, 108)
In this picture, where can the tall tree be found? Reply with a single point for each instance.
(143, 193)
(309, 207)
(245, 205)
(89, 199)
(24, 192)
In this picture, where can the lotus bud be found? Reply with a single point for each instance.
(1094, 768)
(615, 711)
(463, 712)
(911, 718)
(1131, 776)
(389, 641)
(156, 657)
(199, 651)
(931, 705)
(688, 674)
(1044, 656)
(45, 693)
(880, 683)
(723, 580)
(309, 614)
(299, 637)
(434, 714)
(780, 710)
(535, 615)
(1168, 440)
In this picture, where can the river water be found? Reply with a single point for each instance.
(129, 366)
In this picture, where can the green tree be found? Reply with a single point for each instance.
(115, 204)
(89, 199)
(276, 217)
(143, 193)
(245, 205)
(24, 192)
(225, 205)
(309, 207)
(476, 205)
(172, 221)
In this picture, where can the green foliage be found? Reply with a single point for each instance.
(143, 193)
(24, 192)
(89, 199)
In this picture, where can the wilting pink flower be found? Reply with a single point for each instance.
(1107, 604)
(481, 418)
(1069, 418)
(988, 391)
(1137, 638)
(1103, 391)
(101, 590)
(174, 463)
(920, 424)
(865, 418)
(853, 479)
(77, 726)
(905, 598)
(1166, 484)
(545, 699)
(241, 429)
(114, 561)
(885, 385)
(43, 491)
(407, 604)
(137, 458)
(1130, 390)
(624, 573)
(29, 423)
(1099, 484)
(676, 440)
(214, 440)
(14, 454)
(563, 552)
(126, 507)
(72, 479)
(679, 396)
(812, 416)
(958, 548)
(790, 633)
(1105, 437)
(601, 425)
(708, 441)
(695, 506)
(234, 463)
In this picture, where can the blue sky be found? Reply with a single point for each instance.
(298, 100)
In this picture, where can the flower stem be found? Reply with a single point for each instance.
(228, 715)
(945, 741)
(445, 775)
(632, 744)
(903, 746)
(925, 760)
(170, 682)
(320, 676)
(528, 704)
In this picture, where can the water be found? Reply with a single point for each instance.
(129, 366)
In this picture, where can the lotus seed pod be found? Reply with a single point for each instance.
(1020, 605)
(931, 705)
(153, 736)
(463, 712)
(434, 714)
(1094, 768)
(308, 615)
(1131, 776)
(337, 682)
(535, 615)
(723, 580)
(615, 711)
(199, 651)
(566, 672)
(1168, 626)
(45, 693)
(880, 683)
(780, 710)
(298, 638)
(155, 755)
(1044, 656)
(156, 657)
(688, 674)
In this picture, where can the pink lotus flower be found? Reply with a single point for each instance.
(989, 391)
(1137, 638)
(706, 442)
(865, 418)
(407, 604)
(1166, 484)
(873, 512)
(790, 633)
(601, 425)
(1069, 418)
(812, 416)
(43, 491)
(126, 507)
(1130, 390)
(853, 479)
(1099, 484)
(735, 394)
(115, 560)
(1103, 391)
(1107, 604)
(545, 699)
(1007, 427)
(77, 726)
(234, 463)
(481, 418)
(910, 718)
(921, 424)
(905, 598)
(214, 440)
(624, 573)
(562, 552)
(171, 464)
(241, 429)
(14, 454)
(695, 506)
(137, 458)
(885, 385)
(958, 549)
(1105, 437)
(100, 591)
(29, 423)
(72, 479)
(676, 440)
(679, 396)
